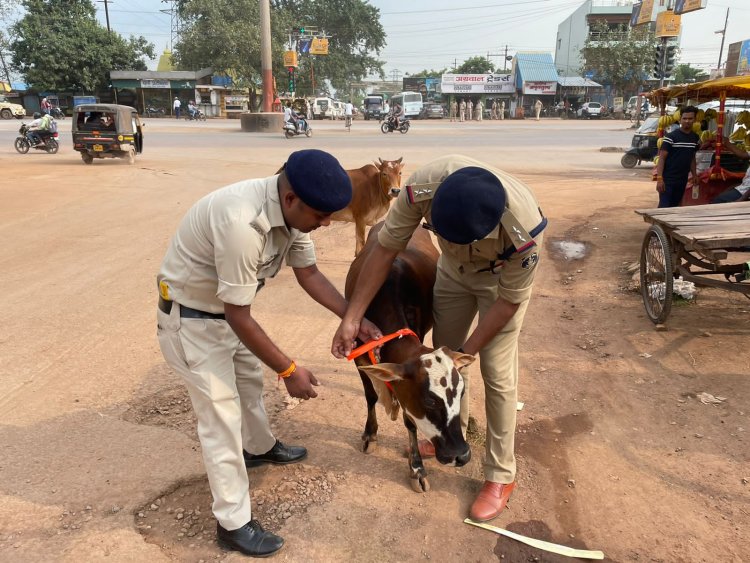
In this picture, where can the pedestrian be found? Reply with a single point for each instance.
(502, 109)
(176, 105)
(677, 160)
(462, 111)
(493, 110)
(45, 106)
(479, 110)
(453, 109)
(228, 245)
(469, 110)
(538, 108)
(489, 256)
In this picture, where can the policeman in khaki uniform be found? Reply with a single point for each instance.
(227, 246)
(488, 225)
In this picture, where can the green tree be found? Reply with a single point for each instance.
(225, 34)
(475, 65)
(59, 45)
(685, 73)
(429, 73)
(620, 56)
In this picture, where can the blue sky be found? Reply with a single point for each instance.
(434, 34)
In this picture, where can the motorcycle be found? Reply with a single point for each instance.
(197, 115)
(151, 111)
(303, 128)
(389, 125)
(56, 112)
(48, 143)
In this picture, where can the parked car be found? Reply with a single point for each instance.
(590, 109)
(431, 111)
(9, 109)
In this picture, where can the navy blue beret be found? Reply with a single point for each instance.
(319, 180)
(468, 205)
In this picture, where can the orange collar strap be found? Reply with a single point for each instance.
(368, 347)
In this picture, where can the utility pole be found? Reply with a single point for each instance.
(723, 35)
(505, 58)
(265, 55)
(106, 12)
(396, 74)
(175, 25)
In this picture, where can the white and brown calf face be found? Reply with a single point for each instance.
(429, 390)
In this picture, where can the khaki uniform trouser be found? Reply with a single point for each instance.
(225, 383)
(457, 298)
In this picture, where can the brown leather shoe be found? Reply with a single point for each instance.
(426, 449)
(490, 501)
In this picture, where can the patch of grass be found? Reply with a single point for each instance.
(474, 434)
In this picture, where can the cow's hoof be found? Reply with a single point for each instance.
(369, 446)
(420, 484)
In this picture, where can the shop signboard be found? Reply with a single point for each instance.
(477, 84)
(685, 6)
(154, 83)
(540, 88)
(667, 24)
(428, 87)
(743, 64)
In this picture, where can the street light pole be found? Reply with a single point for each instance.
(723, 35)
(265, 55)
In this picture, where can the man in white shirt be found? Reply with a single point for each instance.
(176, 105)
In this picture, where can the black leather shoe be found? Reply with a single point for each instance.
(279, 454)
(251, 539)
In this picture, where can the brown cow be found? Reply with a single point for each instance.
(425, 382)
(373, 187)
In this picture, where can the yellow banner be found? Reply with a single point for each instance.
(647, 9)
(290, 58)
(319, 46)
(667, 25)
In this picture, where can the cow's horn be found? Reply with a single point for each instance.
(400, 159)
(380, 160)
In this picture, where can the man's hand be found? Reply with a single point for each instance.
(368, 331)
(343, 340)
(660, 185)
(300, 384)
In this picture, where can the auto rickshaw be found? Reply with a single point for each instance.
(643, 146)
(107, 131)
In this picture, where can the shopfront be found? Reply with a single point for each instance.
(476, 87)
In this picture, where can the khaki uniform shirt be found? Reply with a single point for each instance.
(228, 244)
(414, 203)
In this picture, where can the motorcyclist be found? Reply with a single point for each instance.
(39, 128)
(192, 110)
(397, 114)
(291, 116)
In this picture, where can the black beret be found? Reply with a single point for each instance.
(468, 205)
(319, 180)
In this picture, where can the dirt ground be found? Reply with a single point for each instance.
(99, 459)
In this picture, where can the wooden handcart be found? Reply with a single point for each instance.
(696, 243)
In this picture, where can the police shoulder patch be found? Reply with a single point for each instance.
(530, 261)
(421, 192)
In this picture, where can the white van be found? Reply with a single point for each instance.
(323, 108)
(338, 109)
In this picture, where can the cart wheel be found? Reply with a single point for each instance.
(629, 160)
(657, 278)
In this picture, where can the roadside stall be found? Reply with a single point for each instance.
(718, 169)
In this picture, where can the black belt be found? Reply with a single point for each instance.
(188, 312)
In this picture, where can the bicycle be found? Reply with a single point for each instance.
(348, 123)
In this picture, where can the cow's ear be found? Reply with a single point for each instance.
(460, 359)
(384, 372)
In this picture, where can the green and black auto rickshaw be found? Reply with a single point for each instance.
(107, 131)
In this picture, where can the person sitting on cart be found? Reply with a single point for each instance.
(677, 160)
(741, 192)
